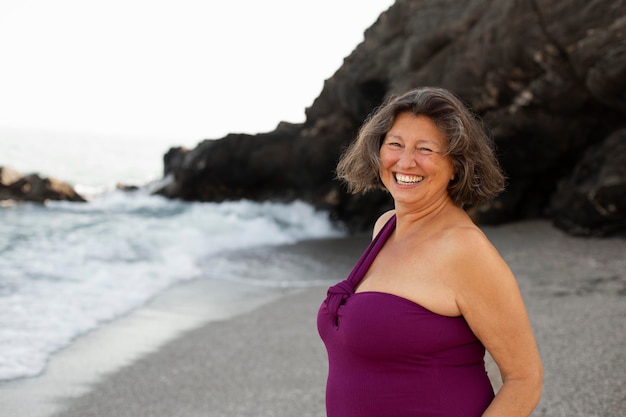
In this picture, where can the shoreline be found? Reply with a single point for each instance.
(267, 359)
(74, 369)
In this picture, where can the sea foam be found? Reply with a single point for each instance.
(67, 268)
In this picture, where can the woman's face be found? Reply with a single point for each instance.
(413, 164)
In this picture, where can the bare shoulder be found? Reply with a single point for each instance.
(474, 259)
(382, 220)
(467, 241)
(480, 272)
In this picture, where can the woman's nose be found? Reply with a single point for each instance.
(407, 159)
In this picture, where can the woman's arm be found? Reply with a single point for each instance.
(490, 300)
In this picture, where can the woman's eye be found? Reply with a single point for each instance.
(425, 150)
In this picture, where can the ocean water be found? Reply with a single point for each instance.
(67, 268)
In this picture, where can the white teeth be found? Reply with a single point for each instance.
(408, 179)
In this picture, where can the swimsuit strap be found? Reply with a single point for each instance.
(337, 294)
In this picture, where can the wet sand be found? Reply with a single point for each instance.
(258, 353)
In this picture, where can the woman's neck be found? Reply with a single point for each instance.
(433, 216)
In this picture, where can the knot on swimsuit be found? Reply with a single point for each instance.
(336, 295)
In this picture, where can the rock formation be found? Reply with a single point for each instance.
(34, 188)
(548, 78)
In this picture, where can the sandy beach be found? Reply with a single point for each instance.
(257, 352)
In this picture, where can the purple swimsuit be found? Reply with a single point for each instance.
(391, 357)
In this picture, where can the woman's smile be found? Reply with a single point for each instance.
(413, 164)
(404, 179)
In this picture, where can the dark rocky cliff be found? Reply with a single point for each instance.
(548, 77)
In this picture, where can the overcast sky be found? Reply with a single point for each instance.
(181, 68)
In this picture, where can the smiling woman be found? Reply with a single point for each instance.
(458, 134)
(170, 67)
(406, 332)
(413, 162)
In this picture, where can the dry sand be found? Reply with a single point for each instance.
(266, 359)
